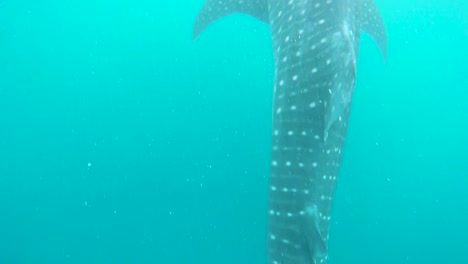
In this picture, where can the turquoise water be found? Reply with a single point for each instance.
(122, 141)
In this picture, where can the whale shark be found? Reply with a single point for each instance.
(315, 49)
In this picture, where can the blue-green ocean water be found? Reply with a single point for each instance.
(122, 141)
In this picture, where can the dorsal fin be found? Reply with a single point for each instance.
(314, 240)
(372, 23)
(213, 10)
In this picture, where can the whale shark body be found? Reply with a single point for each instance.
(316, 47)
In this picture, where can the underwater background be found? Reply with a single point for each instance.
(123, 141)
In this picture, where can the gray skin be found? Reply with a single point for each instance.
(315, 46)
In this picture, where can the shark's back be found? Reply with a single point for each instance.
(315, 46)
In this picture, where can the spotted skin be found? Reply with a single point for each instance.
(315, 46)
